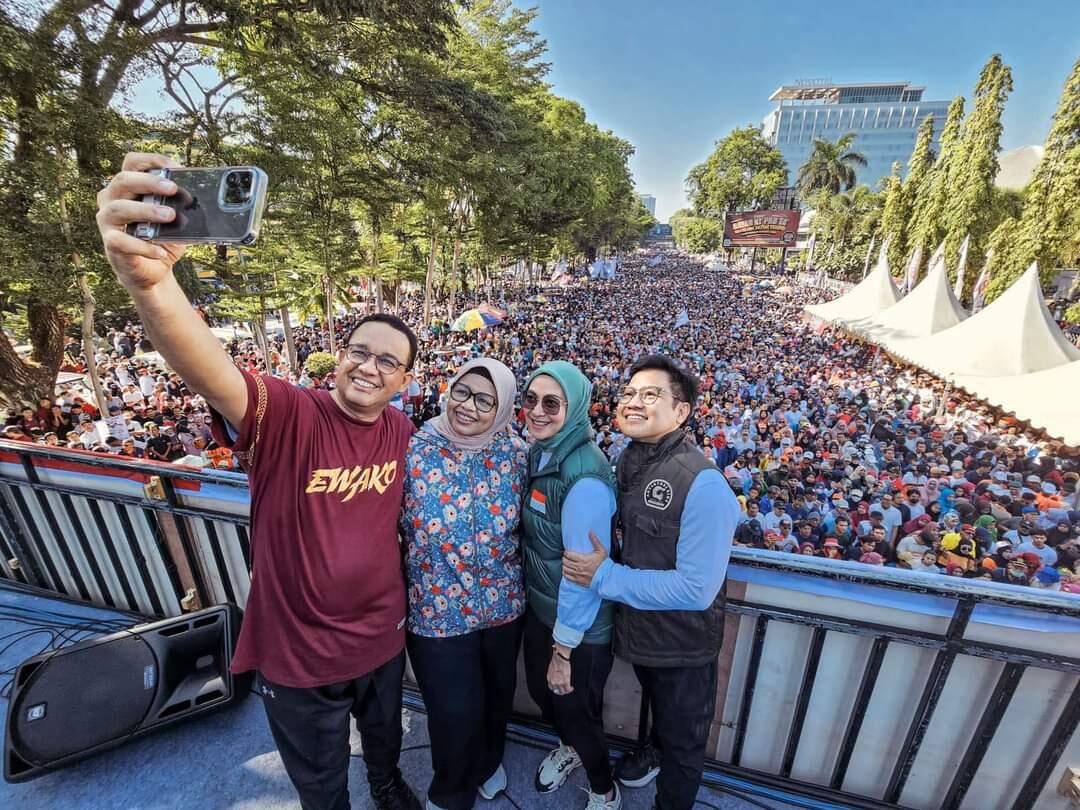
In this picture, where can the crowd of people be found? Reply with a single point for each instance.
(832, 449)
(569, 482)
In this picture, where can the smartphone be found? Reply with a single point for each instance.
(222, 206)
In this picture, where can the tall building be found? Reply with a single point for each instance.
(884, 117)
(649, 201)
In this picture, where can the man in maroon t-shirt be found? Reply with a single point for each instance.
(325, 616)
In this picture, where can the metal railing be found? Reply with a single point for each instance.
(159, 539)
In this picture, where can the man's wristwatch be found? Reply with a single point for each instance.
(555, 649)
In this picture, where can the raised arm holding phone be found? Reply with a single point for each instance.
(325, 616)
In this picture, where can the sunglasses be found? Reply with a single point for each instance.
(550, 403)
(485, 403)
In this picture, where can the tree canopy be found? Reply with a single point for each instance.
(831, 166)
(405, 140)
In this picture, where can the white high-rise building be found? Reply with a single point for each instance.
(649, 201)
(884, 117)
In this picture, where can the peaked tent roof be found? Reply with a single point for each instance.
(928, 309)
(870, 296)
(1048, 399)
(1014, 335)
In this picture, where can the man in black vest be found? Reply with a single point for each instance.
(677, 516)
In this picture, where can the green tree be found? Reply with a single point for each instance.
(1048, 231)
(697, 234)
(845, 225)
(920, 168)
(894, 217)
(930, 196)
(64, 65)
(742, 173)
(831, 166)
(971, 175)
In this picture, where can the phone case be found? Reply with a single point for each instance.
(217, 206)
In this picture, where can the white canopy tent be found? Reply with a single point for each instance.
(928, 309)
(870, 296)
(1013, 335)
(1049, 399)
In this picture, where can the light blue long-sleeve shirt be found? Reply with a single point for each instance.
(589, 506)
(706, 528)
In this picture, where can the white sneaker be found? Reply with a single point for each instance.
(598, 802)
(495, 784)
(556, 766)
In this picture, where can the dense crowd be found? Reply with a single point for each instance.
(832, 449)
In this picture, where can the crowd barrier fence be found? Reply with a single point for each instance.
(839, 682)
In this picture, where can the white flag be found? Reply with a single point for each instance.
(913, 268)
(683, 319)
(869, 253)
(961, 267)
(937, 259)
(978, 295)
(810, 250)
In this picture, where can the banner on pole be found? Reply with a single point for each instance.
(761, 229)
(961, 268)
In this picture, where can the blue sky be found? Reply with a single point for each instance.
(672, 77)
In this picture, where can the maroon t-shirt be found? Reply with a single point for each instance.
(327, 598)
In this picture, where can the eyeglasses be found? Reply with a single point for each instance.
(649, 395)
(550, 403)
(485, 403)
(384, 363)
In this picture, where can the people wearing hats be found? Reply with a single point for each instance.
(1048, 578)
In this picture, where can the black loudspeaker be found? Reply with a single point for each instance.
(75, 702)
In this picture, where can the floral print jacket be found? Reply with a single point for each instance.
(460, 521)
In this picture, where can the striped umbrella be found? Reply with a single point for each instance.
(472, 319)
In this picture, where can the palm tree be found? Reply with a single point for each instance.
(831, 166)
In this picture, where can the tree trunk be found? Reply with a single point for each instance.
(25, 382)
(376, 278)
(454, 273)
(258, 329)
(88, 338)
(87, 299)
(429, 277)
(290, 340)
(330, 314)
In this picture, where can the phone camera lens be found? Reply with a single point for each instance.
(238, 187)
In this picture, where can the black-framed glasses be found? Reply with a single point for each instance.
(550, 403)
(384, 363)
(485, 403)
(649, 394)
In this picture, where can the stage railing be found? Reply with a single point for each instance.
(839, 682)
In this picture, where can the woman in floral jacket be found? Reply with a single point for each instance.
(460, 521)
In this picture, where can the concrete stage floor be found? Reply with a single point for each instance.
(227, 760)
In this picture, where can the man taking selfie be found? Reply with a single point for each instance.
(324, 623)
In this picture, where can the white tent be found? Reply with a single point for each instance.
(928, 309)
(870, 296)
(1048, 399)
(1013, 335)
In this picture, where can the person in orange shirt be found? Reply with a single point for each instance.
(1047, 498)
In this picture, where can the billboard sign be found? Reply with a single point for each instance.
(768, 229)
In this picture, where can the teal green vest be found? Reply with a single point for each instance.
(541, 519)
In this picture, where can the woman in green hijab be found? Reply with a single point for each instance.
(570, 495)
